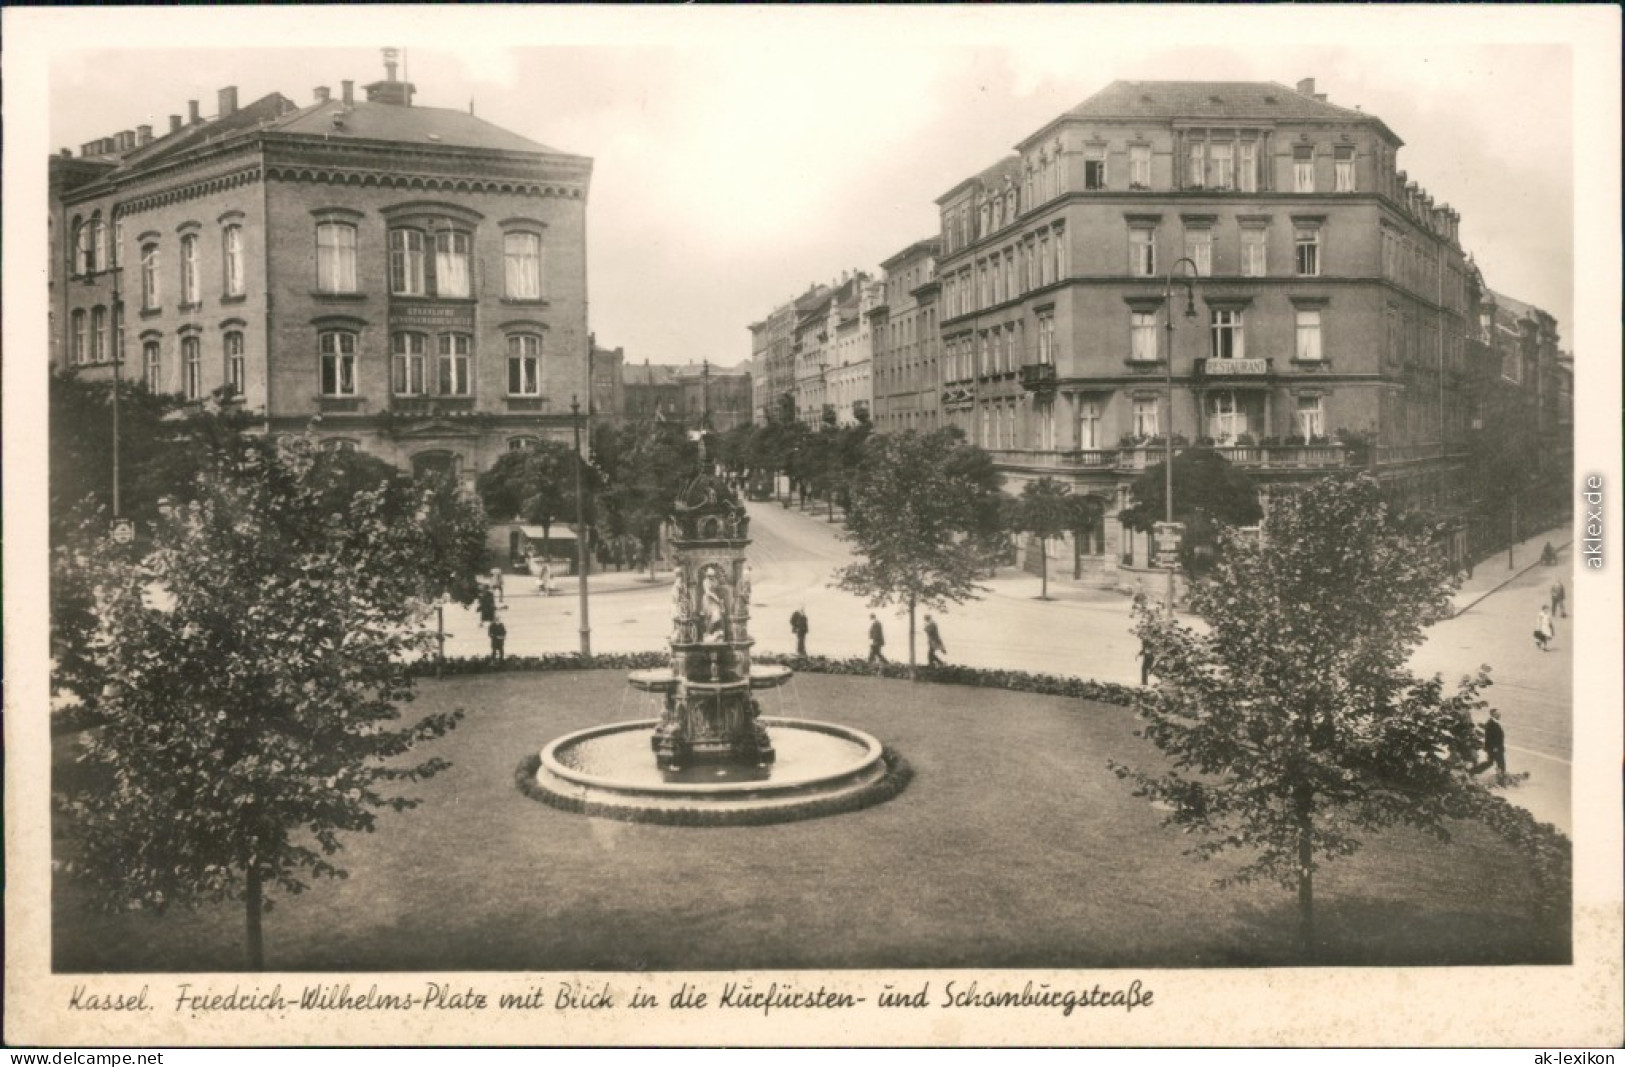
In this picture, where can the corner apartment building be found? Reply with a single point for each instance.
(1323, 323)
(907, 378)
(406, 280)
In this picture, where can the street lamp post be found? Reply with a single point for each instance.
(116, 337)
(1168, 378)
(581, 536)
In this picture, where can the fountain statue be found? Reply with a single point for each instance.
(710, 715)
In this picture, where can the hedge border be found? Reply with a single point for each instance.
(1016, 681)
(897, 777)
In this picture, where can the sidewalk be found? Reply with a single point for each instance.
(1491, 575)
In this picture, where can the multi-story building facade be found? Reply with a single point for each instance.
(652, 392)
(907, 379)
(717, 398)
(851, 372)
(697, 395)
(774, 386)
(830, 349)
(1522, 401)
(402, 279)
(1328, 299)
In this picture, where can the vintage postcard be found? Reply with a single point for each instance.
(772, 526)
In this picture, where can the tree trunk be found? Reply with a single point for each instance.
(254, 900)
(911, 638)
(1043, 569)
(1306, 877)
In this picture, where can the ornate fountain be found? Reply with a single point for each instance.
(714, 760)
(710, 715)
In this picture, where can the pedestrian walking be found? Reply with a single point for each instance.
(1495, 746)
(496, 584)
(1560, 598)
(877, 641)
(1148, 662)
(934, 648)
(1544, 631)
(542, 571)
(499, 639)
(798, 626)
(487, 605)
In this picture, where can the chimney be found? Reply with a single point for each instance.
(1306, 86)
(67, 153)
(349, 92)
(389, 64)
(174, 123)
(143, 135)
(129, 139)
(323, 94)
(228, 100)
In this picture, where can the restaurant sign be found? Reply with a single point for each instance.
(1237, 366)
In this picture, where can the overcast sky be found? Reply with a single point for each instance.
(741, 154)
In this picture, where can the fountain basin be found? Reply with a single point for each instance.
(662, 680)
(820, 768)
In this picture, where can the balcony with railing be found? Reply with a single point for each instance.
(1144, 455)
(1067, 459)
(1331, 454)
(1038, 377)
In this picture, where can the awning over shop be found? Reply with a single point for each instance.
(554, 533)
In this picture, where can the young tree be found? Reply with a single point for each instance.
(1046, 510)
(917, 505)
(534, 485)
(163, 443)
(652, 460)
(251, 665)
(1204, 483)
(1293, 724)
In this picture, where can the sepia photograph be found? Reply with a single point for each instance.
(793, 527)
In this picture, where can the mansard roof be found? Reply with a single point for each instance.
(370, 121)
(1213, 101)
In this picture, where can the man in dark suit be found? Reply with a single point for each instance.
(798, 626)
(935, 649)
(1495, 746)
(877, 641)
(499, 640)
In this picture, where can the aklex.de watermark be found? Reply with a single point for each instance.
(1591, 530)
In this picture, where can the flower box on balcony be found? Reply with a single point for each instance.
(1038, 377)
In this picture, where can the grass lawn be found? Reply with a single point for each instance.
(1013, 847)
